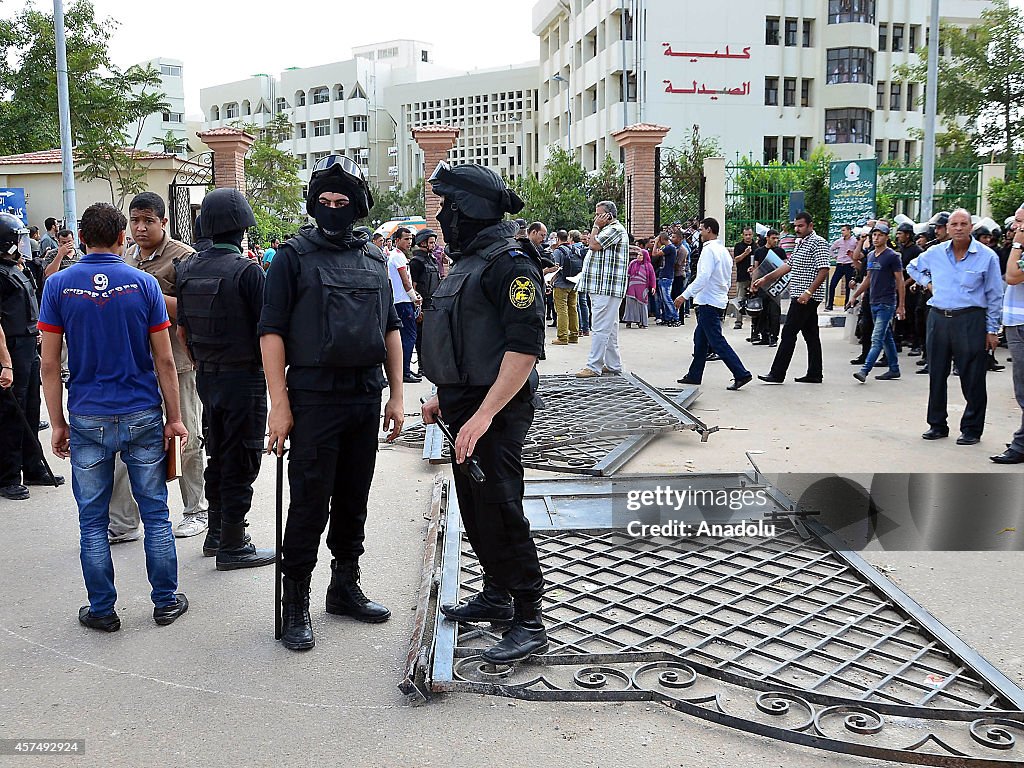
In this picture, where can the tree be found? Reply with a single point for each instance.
(560, 197)
(682, 173)
(273, 186)
(1006, 196)
(607, 183)
(171, 143)
(982, 81)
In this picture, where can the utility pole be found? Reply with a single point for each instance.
(931, 97)
(64, 112)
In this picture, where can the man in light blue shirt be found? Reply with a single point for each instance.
(966, 304)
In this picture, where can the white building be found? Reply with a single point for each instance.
(156, 126)
(767, 78)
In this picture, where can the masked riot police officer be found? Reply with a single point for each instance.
(220, 296)
(425, 276)
(329, 315)
(20, 462)
(483, 335)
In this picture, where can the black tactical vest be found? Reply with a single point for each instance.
(340, 315)
(20, 310)
(463, 341)
(431, 274)
(221, 324)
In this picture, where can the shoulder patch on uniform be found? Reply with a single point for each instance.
(522, 293)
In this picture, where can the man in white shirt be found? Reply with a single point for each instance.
(406, 298)
(710, 294)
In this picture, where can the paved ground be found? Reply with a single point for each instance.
(215, 686)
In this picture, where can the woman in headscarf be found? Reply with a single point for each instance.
(642, 282)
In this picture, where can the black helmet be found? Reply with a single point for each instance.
(423, 235)
(478, 192)
(341, 172)
(981, 230)
(225, 211)
(13, 237)
(940, 219)
(363, 230)
(906, 227)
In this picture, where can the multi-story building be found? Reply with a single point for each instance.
(155, 127)
(770, 79)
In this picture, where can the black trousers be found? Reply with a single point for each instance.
(801, 319)
(766, 326)
(330, 468)
(235, 406)
(867, 326)
(19, 449)
(492, 512)
(921, 320)
(959, 339)
(906, 329)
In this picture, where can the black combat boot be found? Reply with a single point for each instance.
(524, 638)
(236, 552)
(212, 542)
(346, 598)
(493, 605)
(297, 629)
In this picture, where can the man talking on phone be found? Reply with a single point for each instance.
(604, 277)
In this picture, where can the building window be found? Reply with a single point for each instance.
(808, 29)
(789, 92)
(627, 25)
(359, 123)
(300, 99)
(894, 150)
(850, 65)
(805, 148)
(848, 126)
(771, 149)
(805, 92)
(789, 149)
(911, 97)
(321, 127)
(318, 156)
(851, 11)
(303, 162)
(791, 33)
(771, 31)
(302, 130)
(230, 110)
(771, 91)
(880, 95)
(908, 154)
(879, 150)
(895, 97)
(170, 70)
(912, 44)
(214, 114)
(897, 38)
(339, 125)
(280, 105)
(321, 95)
(425, 57)
(883, 37)
(631, 86)
(339, 93)
(173, 117)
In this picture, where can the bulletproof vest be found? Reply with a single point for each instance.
(431, 274)
(343, 298)
(20, 310)
(463, 341)
(221, 324)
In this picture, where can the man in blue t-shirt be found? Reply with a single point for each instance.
(115, 321)
(666, 274)
(884, 277)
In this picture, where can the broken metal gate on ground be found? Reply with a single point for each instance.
(789, 636)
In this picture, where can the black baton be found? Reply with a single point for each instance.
(471, 466)
(35, 436)
(278, 541)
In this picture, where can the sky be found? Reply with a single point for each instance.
(220, 43)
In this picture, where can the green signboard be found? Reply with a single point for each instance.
(851, 192)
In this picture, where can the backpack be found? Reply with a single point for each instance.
(573, 264)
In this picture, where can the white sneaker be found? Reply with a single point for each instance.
(191, 525)
(124, 537)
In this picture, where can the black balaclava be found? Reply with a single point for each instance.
(458, 230)
(229, 238)
(334, 223)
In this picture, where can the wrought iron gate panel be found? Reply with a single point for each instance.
(788, 636)
(196, 172)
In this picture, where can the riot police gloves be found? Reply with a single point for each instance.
(225, 216)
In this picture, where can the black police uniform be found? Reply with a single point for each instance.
(491, 302)
(19, 312)
(425, 276)
(333, 306)
(220, 295)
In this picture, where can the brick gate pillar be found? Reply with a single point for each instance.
(230, 147)
(434, 141)
(638, 142)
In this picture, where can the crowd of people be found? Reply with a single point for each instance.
(161, 347)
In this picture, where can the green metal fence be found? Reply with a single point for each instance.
(899, 190)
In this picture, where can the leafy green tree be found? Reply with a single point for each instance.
(1006, 195)
(273, 186)
(682, 172)
(171, 143)
(560, 197)
(982, 81)
(607, 183)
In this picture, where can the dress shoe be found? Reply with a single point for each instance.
(915, 352)
(862, 378)
(410, 379)
(108, 623)
(345, 597)
(966, 439)
(858, 360)
(935, 434)
(992, 366)
(738, 383)
(922, 361)
(888, 376)
(43, 424)
(164, 615)
(712, 357)
(760, 343)
(769, 379)
(923, 370)
(688, 380)
(1009, 456)
(492, 605)
(58, 480)
(807, 380)
(16, 492)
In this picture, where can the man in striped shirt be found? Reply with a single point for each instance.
(809, 267)
(604, 277)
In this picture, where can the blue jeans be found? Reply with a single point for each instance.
(670, 313)
(583, 304)
(882, 336)
(407, 314)
(709, 336)
(95, 442)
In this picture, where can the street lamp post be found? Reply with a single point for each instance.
(568, 109)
